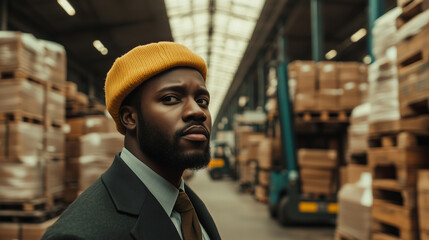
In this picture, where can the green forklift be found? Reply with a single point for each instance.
(222, 161)
(286, 201)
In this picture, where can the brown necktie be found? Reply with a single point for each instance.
(191, 229)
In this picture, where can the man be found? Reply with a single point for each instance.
(157, 97)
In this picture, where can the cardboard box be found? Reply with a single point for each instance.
(327, 72)
(423, 199)
(71, 90)
(23, 142)
(261, 193)
(328, 99)
(9, 231)
(55, 107)
(265, 154)
(23, 96)
(104, 144)
(354, 172)
(351, 71)
(305, 101)
(354, 215)
(73, 148)
(77, 127)
(349, 101)
(350, 88)
(264, 177)
(317, 158)
(55, 141)
(328, 83)
(91, 168)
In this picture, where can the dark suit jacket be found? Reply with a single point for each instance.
(119, 206)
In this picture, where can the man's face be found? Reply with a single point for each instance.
(174, 120)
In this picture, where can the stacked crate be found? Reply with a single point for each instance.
(91, 144)
(31, 136)
(318, 171)
(399, 148)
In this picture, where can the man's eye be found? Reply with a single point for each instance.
(203, 102)
(170, 99)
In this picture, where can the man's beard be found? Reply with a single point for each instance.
(169, 154)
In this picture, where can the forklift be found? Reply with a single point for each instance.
(221, 163)
(286, 202)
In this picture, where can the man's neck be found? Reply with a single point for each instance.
(171, 175)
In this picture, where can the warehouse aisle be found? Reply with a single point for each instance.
(239, 216)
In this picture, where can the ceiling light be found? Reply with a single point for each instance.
(100, 47)
(367, 59)
(331, 54)
(358, 35)
(67, 7)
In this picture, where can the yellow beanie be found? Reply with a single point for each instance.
(141, 64)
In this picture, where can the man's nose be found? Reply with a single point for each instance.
(193, 111)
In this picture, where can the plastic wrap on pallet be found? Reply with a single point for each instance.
(91, 167)
(384, 32)
(55, 140)
(20, 181)
(56, 107)
(22, 51)
(383, 88)
(413, 27)
(21, 95)
(105, 144)
(23, 142)
(55, 62)
(76, 127)
(359, 129)
(355, 201)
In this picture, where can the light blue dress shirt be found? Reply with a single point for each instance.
(161, 189)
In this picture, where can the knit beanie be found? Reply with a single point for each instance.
(142, 63)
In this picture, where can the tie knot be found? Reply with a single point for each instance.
(183, 203)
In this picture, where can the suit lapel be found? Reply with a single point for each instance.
(153, 222)
(203, 214)
(131, 196)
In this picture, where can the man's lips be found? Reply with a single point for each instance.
(196, 133)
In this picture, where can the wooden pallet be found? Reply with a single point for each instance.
(19, 73)
(400, 196)
(400, 140)
(323, 116)
(410, 9)
(343, 236)
(385, 231)
(360, 158)
(414, 90)
(395, 215)
(397, 167)
(415, 124)
(20, 116)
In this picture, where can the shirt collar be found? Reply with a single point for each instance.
(161, 189)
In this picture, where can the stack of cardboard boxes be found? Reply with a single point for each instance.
(31, 119)
(92, 143)
(328, 86)
(318, 171)
(423, 203)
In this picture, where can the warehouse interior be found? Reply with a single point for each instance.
(320, 111)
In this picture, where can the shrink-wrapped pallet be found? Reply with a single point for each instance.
(55, 107)
(104, 144)
(383, 88)
(21, 141)
(359, 129)
(22, 95)
(55, 63)
(22, 51)
(384, 32)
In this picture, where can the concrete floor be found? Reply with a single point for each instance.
(240, 216)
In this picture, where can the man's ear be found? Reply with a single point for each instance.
(128, 116)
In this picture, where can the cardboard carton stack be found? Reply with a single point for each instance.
(398, 147)
(78, 103)
(31, 121)
(327, 86)
(92, 143)
(318, 171)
